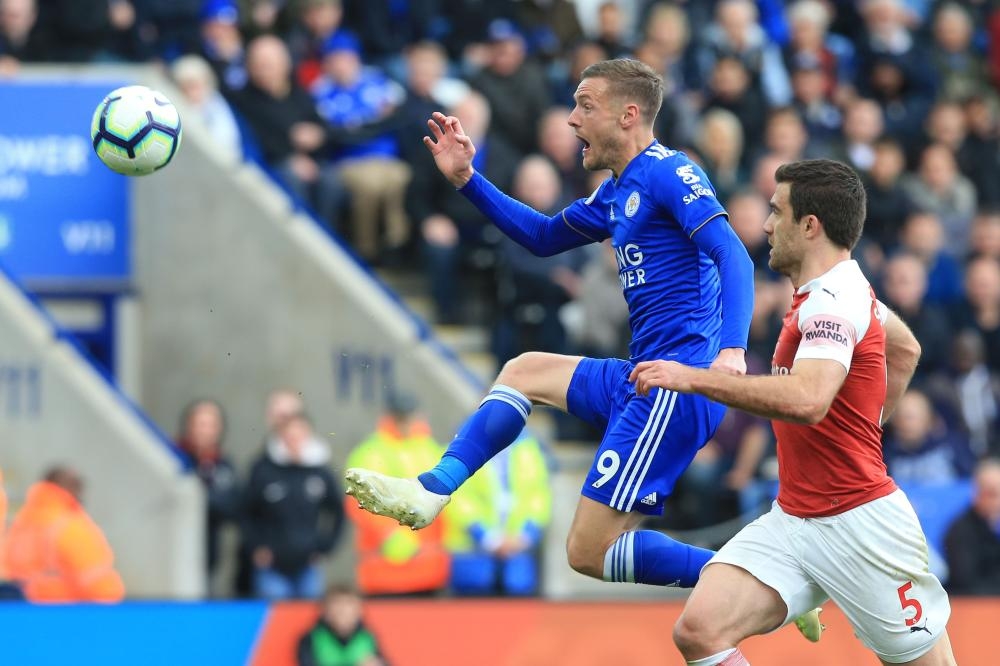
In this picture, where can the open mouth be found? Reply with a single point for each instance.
(586, 144)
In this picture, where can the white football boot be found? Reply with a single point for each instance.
(404, 500)
(810, 626)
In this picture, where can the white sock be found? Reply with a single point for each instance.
(714, 660)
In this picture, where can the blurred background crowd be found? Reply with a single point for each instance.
(331, 97)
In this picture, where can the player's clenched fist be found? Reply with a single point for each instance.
(662, 374)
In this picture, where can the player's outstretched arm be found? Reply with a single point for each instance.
(802, 396)
(902, 352)
(451, 147)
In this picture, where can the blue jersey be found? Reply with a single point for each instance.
(650, 212)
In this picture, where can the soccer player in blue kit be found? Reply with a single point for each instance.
(688, 282)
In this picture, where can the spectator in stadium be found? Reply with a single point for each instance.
(786, 136)
(940, 188)
(918, 448)
(222, 43)
(596, 319)
(676, 121)
(202, 429)
(612, 32)
(9, 591)
(550, 27)
(429, 86)
(581, 56)
(897, 90)
(515, 87)
(393, 559)
(904, 283)
(735, 33)
(980, 157)
(968, 394)
(981, 308)
(730, 88)
(863, 126)
(923, 236)
(197, 82)
(293, 512)
(972, 543)
(888, 204)
(745, 207)
(363, 104)
(89, 30)
(886, 37)
(387, 28)
(667, 34)
(559, 144)
(762, 178)
(961, 72)
(813, 48)
(294, 140)
(822, 118)
(719, 142)
(532, 288)
(261, 17)
(984, 238)
(452, 230)
(170, 28)
(340, 637)
(315, 23)
(20, 40)
(497, 521)
(55, 551)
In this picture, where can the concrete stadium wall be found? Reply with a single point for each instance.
(56, 408)
(239, 295)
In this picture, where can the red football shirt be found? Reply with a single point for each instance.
(837, 464)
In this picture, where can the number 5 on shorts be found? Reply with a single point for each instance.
(910, 603)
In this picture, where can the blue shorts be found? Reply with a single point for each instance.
(648, 441)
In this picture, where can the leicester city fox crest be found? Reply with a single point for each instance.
(632, 204)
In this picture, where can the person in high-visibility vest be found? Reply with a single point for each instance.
(496, 521)
(55, 551)
(392, 559)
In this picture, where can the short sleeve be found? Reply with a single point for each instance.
(831, 329)
(587, 216)
(686, 192)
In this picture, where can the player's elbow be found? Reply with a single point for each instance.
(810, 411)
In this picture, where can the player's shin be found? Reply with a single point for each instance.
(651, 557)
(490, 429)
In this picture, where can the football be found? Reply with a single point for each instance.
(135, 130)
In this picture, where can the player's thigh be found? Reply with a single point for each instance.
(647, 446)
(727, 605)
(542, 377)
(767, 549)
(939, 655)
(873, 562)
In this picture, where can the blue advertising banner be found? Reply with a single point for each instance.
(63, 215)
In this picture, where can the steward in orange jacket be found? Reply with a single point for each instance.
(393, 559)
(55, 551)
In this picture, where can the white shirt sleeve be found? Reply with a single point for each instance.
(832, 324)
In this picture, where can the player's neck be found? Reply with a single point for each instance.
(633, 146)
(818, 263)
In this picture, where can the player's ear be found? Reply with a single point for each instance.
(630, 115)
(811, 226)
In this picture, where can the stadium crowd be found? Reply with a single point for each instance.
(332, 96)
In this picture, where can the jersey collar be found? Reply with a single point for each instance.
(841, 269)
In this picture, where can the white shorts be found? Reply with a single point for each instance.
(871, 560)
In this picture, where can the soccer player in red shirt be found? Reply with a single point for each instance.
(840, 528)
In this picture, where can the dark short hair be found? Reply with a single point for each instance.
(830, 190)
(632, 81)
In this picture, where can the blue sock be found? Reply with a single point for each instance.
(488, 431)
(654, 558)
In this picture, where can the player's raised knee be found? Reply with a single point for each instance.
(692, 636)
(519, 371)
(582, 557)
